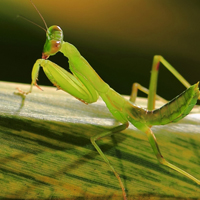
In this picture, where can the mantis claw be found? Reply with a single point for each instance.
(38, 86)
(21, 92)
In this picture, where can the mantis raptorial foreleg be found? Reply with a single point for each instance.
(86, 85)
(152, 96)
(72, 85)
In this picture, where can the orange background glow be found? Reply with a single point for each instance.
(117, 37)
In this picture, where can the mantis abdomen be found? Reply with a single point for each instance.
(175, 109)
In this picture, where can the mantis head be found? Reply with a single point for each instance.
(54, 37)
(53, 42)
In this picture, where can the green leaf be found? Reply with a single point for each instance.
(46, 153)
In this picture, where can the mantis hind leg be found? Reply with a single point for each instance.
(136, 87)
(155, 147)
(101, 135)
(153, 82)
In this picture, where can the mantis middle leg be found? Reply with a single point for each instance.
(101, 135)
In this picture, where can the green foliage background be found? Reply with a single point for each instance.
(118, 38)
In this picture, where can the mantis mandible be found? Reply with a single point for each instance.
(86, 85)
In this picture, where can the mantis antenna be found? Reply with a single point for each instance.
(46, 30)
(40, 15)
(32, 22)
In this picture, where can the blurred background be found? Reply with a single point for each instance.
(118, 38)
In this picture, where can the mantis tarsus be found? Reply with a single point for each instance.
(86, 85)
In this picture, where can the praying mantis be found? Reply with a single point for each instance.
(86, 85)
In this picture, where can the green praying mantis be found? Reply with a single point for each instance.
(86, 85)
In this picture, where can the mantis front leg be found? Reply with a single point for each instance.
(64, 80)
(34, 77)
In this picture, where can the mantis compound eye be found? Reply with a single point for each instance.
(51, 48)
